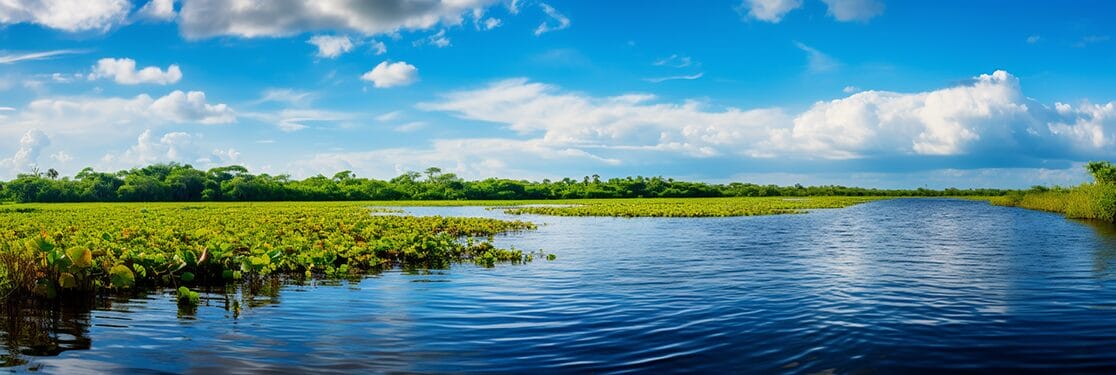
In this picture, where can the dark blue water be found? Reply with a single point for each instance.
(890, 286)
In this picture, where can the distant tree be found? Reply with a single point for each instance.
(52, 174)
(344, 176)
(1103, 172)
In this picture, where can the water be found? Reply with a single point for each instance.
(890, 286)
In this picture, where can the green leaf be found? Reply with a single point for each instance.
(82, 257)
(67, 281)
(187, 277)
(45, 245)
(122, 277)
(140, 270)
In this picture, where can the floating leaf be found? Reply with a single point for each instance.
(67, 281)
(122, 277)
(82, 257)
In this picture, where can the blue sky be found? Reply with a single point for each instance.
(856, 92)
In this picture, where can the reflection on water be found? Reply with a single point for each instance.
(892, 286)
(1104, 261)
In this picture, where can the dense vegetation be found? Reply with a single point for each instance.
(183, 183)
(1095, 200)
(49, 250)
(688, 207)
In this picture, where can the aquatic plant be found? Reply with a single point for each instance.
(60, 249)
(688, 207)
(1095, 200)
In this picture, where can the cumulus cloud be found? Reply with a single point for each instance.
(632, 121)
(85, 115)
(854, 10)
(31, 145)
(180, 147)
(388, 74)
(988, 116)
(66, 15)
(207, 18)
(123, 71)
(469, 158)
(331, 46)
(768, 10)
(179, 106)
(162, 10)
(557, 21)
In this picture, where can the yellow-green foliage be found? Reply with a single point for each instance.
(1089, 201)
(689, 207)
(89, 246)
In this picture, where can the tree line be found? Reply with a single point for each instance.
(175, 182)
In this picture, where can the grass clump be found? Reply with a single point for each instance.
(1095, 201)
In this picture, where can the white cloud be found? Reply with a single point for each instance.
(292, 120)
(191, 106)
(207, 18)
(31, 56)
(331, 46)
(123, 71)
(390, 116)
(768, 10)
(438, 39)
(818, 62)
(491, 23)
(379, 47)
(561, 22)
(672, 78)
(854, 10)
(410, 127)
(387, 74)
(630, 121)
(289, 96)
(1091, 39)
(469, 158)
(1033, 39)
(162, 10)
(989, 116)
(1090, 126)
(66, 15)
(27, 156)
(182, 147)
(61, 157)
(850, 89)
(94, 115)
(675, 61)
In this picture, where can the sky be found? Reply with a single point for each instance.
(875, 93)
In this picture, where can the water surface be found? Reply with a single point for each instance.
(888, 286)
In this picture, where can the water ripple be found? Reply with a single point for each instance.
(890, 286)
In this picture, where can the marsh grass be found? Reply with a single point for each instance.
(1089, 201)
